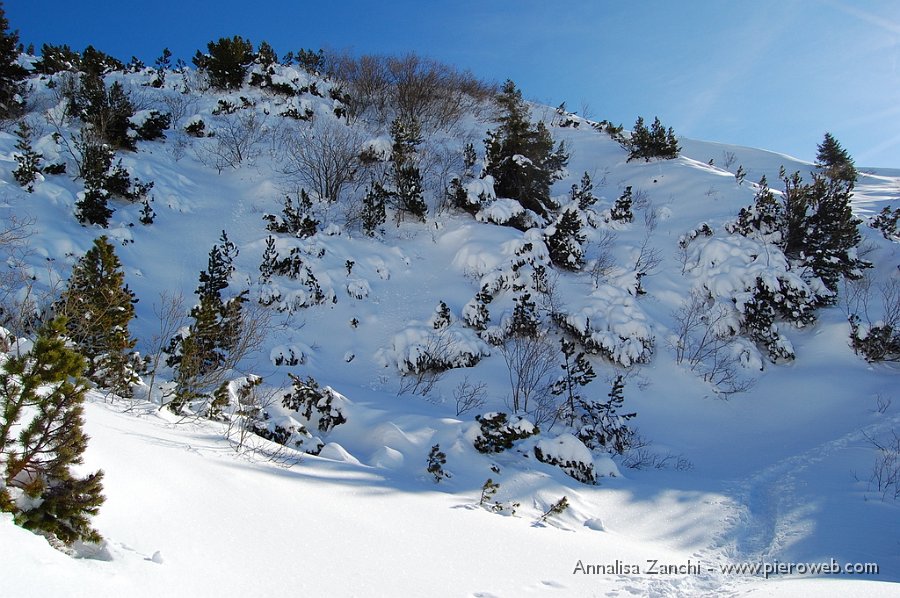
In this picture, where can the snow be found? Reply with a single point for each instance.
(780, 472)
(500, 211)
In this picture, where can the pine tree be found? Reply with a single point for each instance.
(266, 55)
(441, 318)
(11, 73)
(621, 211)
(37, 455)
(604, 425)
(28, 161)
(227, 61)
(525, 321)
(521, 157)
(373, 213)
(407, 193)
(216, 327)
(656, 142)
(834, 160)
(819, 229)
(577, 372)
(269, 258)
(99, 307)
(566, 239)
(764, 217)
(584, 195)
(92, 207)
(108, 112)
(758, 323)
(162, 64)
(435, 463)
(296, 218)
(55, 59)
(147, 213)
(833, 233)
(469, 159)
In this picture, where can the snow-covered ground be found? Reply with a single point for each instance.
(777, 473)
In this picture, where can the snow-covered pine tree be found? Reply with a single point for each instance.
(38, 485)
(435, 463)
(758, 323)
(269, 260)
(820, 230)
(565, 239)
(469, 159)
(147, 213)
(441, 318)
(764, 218)
(162, 66)
(296, 218)
(99, 306)
(833, 233)
(106, 111)
(525, 321)
(521, 157)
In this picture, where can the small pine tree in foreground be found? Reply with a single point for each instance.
(38, 485)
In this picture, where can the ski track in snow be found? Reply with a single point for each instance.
(772, 508)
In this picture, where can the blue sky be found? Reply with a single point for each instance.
(774, 74)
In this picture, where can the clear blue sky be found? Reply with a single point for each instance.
(774, 74)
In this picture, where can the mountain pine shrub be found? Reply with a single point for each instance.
(521, 156)
(42, 437)
(99, 306)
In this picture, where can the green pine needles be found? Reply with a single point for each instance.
(42, 437)
(99, 307)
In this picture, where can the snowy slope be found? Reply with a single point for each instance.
(779, 472)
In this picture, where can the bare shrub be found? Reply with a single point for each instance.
(180, 106)
(885, 476)
(468, 396)
(704, 333)
(640, 199)
(530, 360)
(410, 87)
(728, 159)
(19, 306)
(171, 317)
(323, 158)
(603, 265)
(238, 139)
